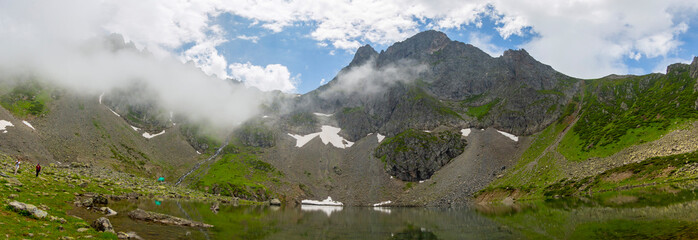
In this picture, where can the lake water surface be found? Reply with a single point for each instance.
(613, 217)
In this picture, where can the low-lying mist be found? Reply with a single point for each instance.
(87, 61)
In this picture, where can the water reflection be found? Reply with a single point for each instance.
(584, 218)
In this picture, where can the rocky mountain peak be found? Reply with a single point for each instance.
(417, 46)
(362, 55)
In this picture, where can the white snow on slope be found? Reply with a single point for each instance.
(265, 116)
(465, 132)
(328, 134)
(28, 124)
(112, 111)
(325, 209)
(149, 136)
(326, 202)
(509, 135)
(4, 124)
(100, 98)
(380, 137)
(323, 114)
(135, 128)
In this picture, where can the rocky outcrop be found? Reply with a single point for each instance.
(255, 135)
(142, 215)
(102, 225)
(414, 155)
(27, 209)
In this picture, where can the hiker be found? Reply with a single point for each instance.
(17, 165)
(38, 169)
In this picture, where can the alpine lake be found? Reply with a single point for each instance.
(643, 213)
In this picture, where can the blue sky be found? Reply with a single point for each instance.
(309, 61)
(292, 45)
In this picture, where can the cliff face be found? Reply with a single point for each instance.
(447, 83)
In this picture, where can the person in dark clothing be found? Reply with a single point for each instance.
(38, 169)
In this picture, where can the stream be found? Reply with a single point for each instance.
(218, 151)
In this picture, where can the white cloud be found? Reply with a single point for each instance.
(323, 81)
(483, 41)
(268, 78)
(253, 39)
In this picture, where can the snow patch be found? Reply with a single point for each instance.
(328, 134)
(421, 181)
(427, 131)
(380, 137)
(509, 135)
(197, 152)
(382, 203)
(100, 98)
(135, 128)
(112, 111)
(465, 132)
(28, 124)
(149, 136)
(325, 209)
(323, 114)
(326, 202)
(265, 116)
(4, 124)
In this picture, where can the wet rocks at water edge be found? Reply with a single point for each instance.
(142, 215)
(214, 207)
(102, 225)
(108, 211)
(27, 209)
(275, 202)
(128, 235)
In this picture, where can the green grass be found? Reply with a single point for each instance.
(239, 174)
(26, 99)
(618, 113)
(535, 178)
(651, 171)
(481, 111)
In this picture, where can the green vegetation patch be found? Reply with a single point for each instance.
(674, 168)
(618, 113)
(241, 174)
(417, 96)
(26, 99)
(481, 111)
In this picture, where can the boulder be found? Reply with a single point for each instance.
(275, 202)
(142, 215)
(108, 211)
(102, 225)
(100, 199)
(28, 209)
(128, 235)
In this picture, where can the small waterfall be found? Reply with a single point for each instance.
(218, 151)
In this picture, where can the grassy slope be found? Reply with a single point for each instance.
(239, 172)
(26, 99)
(668, 98)
(619, 113)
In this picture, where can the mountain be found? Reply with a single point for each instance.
(427, 121)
